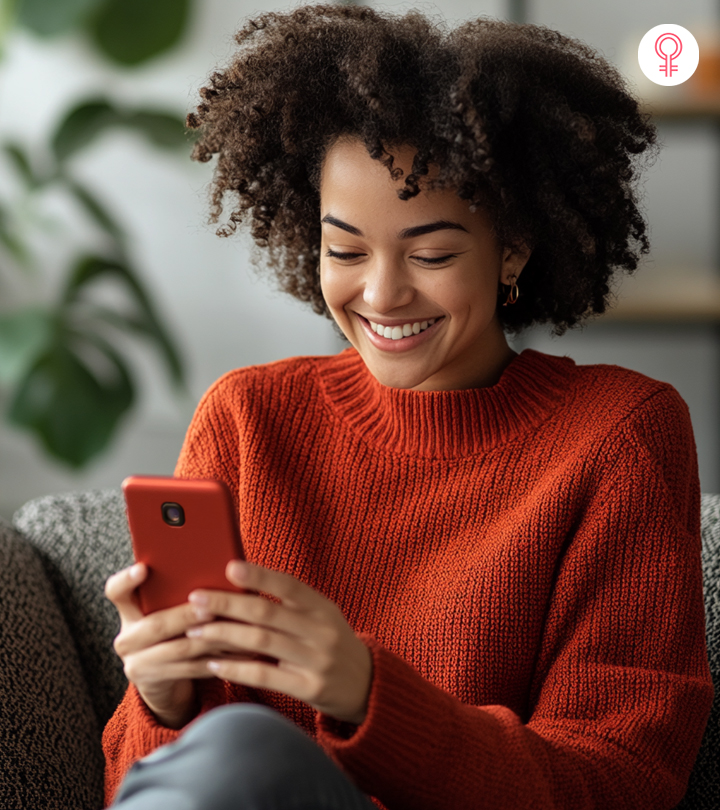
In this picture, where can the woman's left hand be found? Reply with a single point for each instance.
(320, 660)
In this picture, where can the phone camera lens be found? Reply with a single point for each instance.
(173, 514)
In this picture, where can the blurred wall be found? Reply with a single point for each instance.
(225, 316)
(681, 204)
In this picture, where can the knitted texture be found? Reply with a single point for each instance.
(522, 560)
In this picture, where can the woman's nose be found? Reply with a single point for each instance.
(387, 286)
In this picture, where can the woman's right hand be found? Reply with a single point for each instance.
(157, 656)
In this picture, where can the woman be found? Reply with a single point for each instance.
(477, 573)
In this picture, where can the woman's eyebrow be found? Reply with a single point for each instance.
(407, 233)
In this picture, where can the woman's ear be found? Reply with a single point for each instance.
(514, 259)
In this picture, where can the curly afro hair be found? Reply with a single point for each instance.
(532, 125)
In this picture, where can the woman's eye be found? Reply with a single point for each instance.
(335, 255)
(439, 260)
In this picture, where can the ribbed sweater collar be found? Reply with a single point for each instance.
(446, 424)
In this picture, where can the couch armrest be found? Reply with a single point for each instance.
(703, 791)
(50, 753)
(81, 538)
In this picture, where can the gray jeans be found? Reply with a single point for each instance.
(240, 757)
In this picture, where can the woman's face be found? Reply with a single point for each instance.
(402, 275)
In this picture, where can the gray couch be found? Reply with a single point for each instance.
(60, 679)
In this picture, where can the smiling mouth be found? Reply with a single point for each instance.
(400, 331)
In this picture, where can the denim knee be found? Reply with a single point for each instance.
(258, 744)
(239, 725)
(243, 756)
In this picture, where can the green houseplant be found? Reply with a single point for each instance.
(62, 370)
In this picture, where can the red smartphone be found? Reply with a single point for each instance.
(185, 531)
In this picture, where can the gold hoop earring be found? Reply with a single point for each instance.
(514, 292)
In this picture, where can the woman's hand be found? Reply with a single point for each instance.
(320, 660)
(157, 655)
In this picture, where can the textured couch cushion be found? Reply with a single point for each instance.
(50, 753)
(704, 787)
(82, 538)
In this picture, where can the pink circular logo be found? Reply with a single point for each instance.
(668, 54)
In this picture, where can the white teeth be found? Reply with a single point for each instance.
(398, 332)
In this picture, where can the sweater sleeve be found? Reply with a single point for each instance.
(133, 731)
(622, 690)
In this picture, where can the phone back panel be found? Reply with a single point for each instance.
(181, 558)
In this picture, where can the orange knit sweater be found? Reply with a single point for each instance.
(523, 561)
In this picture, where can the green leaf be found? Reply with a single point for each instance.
(130, 32)
(99, 315)
(8, 14)
(91, 268)
(24, 335)
(163, 129)
(11, 242)
(51, 17)
(92, 117)
(72, 409)
(96, 209)
(21, 162)
(82, 125)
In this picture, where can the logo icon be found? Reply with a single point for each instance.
(668, 68)
(668, 54)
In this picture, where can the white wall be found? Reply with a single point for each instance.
(225, 317)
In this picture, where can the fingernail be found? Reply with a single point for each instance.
(136, 571)
(238, 570)
(194, 632)
(198, 598)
